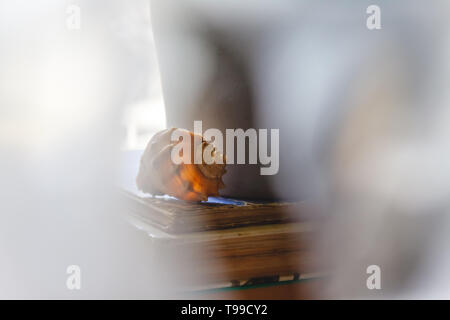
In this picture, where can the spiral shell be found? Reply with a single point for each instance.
(159, 175)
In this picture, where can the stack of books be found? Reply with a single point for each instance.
(239, 242)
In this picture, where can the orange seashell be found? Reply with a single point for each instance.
(159, 175)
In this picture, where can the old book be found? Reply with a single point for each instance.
(175, 216)
(237, 243)
(243, 253)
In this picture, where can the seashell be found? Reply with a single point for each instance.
(159, 175)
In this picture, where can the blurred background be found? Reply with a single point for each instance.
(79, 84)
(363, 118)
